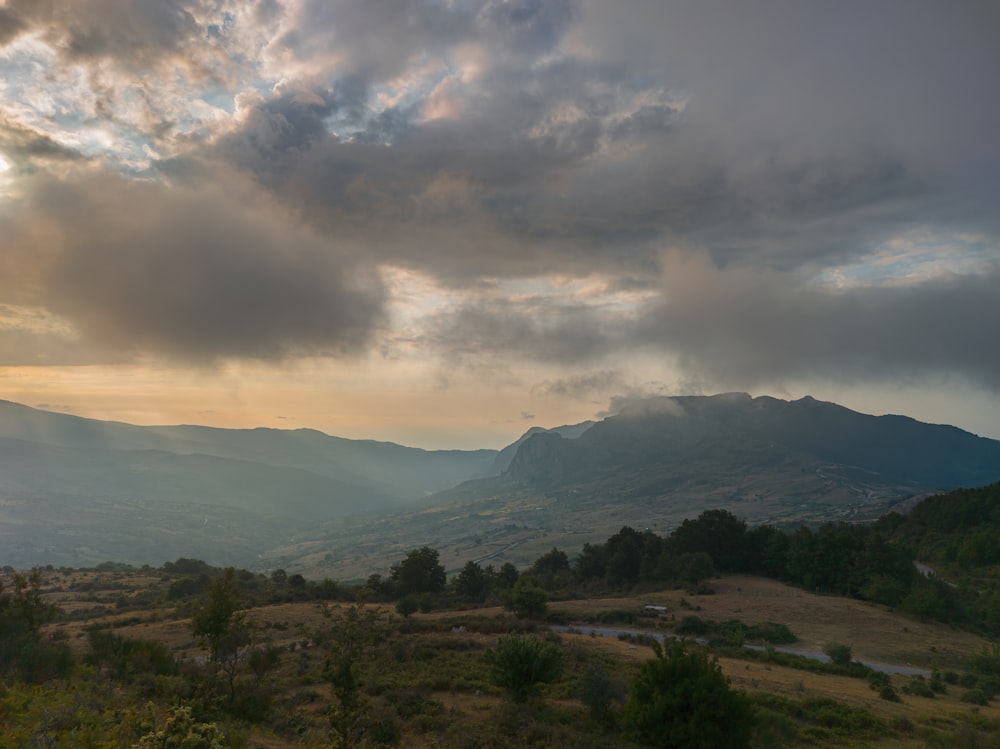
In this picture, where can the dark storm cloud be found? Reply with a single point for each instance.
(519, 169)
(772, 137)
(482, 139)
(21, 145)
(744, 328)
(137, 32)
(200, 274)
(379, 38)
(747, 328)
(374, 38)
(11, 24)
(555, 333)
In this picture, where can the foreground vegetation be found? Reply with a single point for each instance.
(189, 655)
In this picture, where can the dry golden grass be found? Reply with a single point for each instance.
(874, 633)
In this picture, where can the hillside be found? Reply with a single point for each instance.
(664, 460)
(81, 491)
(666, 432)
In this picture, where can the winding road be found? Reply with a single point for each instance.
(885, 668)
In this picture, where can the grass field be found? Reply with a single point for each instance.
(434, 680)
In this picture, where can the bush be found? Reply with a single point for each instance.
(694, 625)
(520, 663)
(881, 683)
(528, 599)
(182, 730)
(599, 692)
(975, 697)
(919, 687)
(680, 699)
(771, 632)
(838, 653)
(406, 606)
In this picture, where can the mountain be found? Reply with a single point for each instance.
(402, 472)
(75, 490)
(664, 432)
(662, 460)
(506, 456)
(80, 491)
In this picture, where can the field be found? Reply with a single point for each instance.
(428, 674)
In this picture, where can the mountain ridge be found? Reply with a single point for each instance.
(899, 447)
(81, 491)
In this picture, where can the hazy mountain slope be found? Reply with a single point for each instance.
(79, 491)
(384, 467)
(63, 505)
(161, 477)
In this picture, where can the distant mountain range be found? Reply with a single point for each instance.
(79, 491)
(75, 490)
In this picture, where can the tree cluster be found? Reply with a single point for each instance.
(24, 652)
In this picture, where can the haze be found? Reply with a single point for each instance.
(441, 222)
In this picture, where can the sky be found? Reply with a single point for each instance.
(440, 222)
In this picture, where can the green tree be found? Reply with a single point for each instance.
(681, 700)
(352, 633)
(718, 533)
(221, 626)
(591, 563)
(23, 611)
(507, 576)
(623, 556)
(693, 568)
(552, 569)
(527, 598)
(419, 572)
(520, 663)
(279, 577)
(471, 583)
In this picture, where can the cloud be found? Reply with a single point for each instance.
(568, 146)
(746, 328)
(642, 405)
(305, 144)
(198, 273)
(22, 145)
(582, 386)
(135, 35)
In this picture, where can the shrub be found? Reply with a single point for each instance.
(694, 625)
(918, 687)
(520, 663)
(772, 632)
(182, 730)
(975, 697)
(838, 653)
(407, 606)
(528, 599)
(680, 699)
(599, 692)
